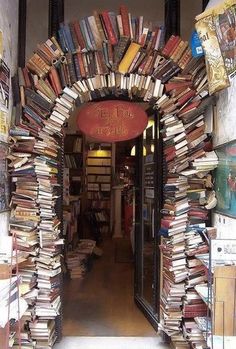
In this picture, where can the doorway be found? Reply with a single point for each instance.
(101, 304)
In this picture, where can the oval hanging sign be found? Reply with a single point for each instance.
(112, 121)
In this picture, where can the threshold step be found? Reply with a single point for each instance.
(111, 343)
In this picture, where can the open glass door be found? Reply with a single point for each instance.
(147, 222)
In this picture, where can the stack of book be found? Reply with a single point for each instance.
(34, 222)
(76, 264)
(25, 211)
(173, 286)
(187, 190)
(78, 261)
(43, 332)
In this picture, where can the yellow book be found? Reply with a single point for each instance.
(128, 57)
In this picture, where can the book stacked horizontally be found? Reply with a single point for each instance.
(78, 261)
(189, 161)
(173, 287)
(25, 211)
(43, 332)
(173, 226)
(34, 221)
(48, 261)
(76, 264)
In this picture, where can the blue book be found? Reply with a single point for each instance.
(85, 34)
(62, 40)
(34, 116)
(105, 54)
(163, 232)
(19, 132)
(90, 34)
(69, 39)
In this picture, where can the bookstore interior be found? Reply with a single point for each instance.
(118, 181)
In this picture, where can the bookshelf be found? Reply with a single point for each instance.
(98, 183)
(73, 161)
(73, 189)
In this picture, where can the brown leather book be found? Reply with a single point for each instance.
(55, 79)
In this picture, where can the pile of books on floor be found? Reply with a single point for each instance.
(79, 261)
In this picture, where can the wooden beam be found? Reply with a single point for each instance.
(204, 4)
(172, 17)
(22, 32)
(56, 16)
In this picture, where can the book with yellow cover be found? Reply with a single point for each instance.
(128, 58)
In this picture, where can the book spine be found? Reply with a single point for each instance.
(62, 75)
(90, 32)
(55, 79)
(26, 75)
(125, 20)
(62, 40)
(71, 68)
(128, 58)
(79, 35)
(109, 29)
(99, 26)
(95, 31)
(169, 45)
(81, 64)
(113, 20)
(120, 25)
(85, 33)
(74, 37)
(77, 67)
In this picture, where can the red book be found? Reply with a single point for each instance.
(79, 35)
(171, 43)
(26, 77)
(109, 29)
(81, 64)
(177, 85)
(176, 43)
(125, 20)
(189, 107)
(154, 38)
(186, 97)
(55, 80)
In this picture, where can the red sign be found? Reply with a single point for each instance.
(112, 121)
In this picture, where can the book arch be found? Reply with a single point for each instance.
(95, 62)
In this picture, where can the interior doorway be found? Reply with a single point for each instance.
(101, 303)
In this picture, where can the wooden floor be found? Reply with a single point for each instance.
(102, 303)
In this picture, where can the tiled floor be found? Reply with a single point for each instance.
(111, 343)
